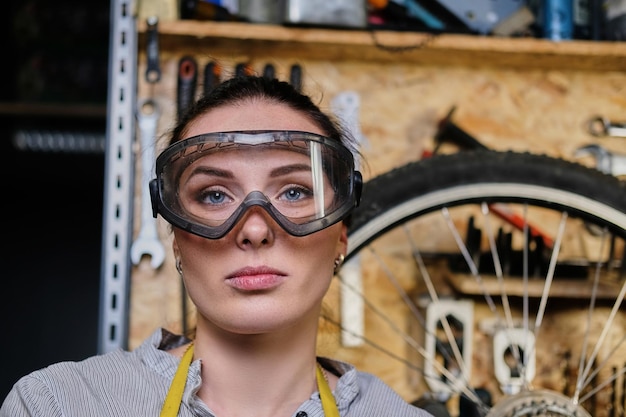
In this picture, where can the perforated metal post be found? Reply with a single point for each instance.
(119, 179)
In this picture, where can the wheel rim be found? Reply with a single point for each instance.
(373, 243)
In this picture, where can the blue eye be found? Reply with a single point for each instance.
(293, 194)
(297, 193)
(213, 197)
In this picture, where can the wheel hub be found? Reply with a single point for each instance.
(540, 403)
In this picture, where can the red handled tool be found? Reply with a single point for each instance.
(187, 81)
(243, 69)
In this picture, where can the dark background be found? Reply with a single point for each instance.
(54, 79)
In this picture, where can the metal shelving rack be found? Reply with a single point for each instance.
(119, 179)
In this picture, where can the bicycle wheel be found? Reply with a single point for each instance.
(494, 281)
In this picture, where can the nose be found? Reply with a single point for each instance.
(256, 228)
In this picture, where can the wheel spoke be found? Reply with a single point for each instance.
(470, 262)
(606, 382)
(550, 274)
(458, 384)
(458, 356)
(581, 382)
(519, 362)
(605, 330)
(597, 370)
(540, 314)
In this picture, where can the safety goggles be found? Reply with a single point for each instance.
(206, 183)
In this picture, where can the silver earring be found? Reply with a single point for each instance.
(179, 267)
(338, 262)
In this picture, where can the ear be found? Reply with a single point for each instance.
(175, 248)
(343, 240)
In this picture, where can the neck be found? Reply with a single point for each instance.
(260, 375)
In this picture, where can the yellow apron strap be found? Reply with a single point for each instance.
(328, 400)
(175, 393)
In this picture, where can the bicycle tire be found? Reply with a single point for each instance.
(471, 176)
(476, 177)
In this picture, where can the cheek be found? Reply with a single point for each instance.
(196, 253)
(324, 246)
(185, 242)
(194, 250)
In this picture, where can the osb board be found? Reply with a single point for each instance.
(557, 350)
(536, 111)
(400, 105)
(386, 46)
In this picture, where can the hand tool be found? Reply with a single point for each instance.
(269, 71)
(606, 161)
(243, 68)
(295, 76)
(153, 69)
(347, 106)
(186, 94)
(600, 126)
(449, 132)
(187, 81)
(147, 242)
(212, 74)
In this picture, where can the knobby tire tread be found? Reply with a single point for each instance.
(418, 178)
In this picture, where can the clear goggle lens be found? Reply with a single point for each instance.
(206, 183)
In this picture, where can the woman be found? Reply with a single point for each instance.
(257, 184)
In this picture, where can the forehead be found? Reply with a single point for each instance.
(247, 158)
(252, 115)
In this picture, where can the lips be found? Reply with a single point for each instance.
(256, 278)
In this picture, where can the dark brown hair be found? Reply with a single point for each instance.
(250, 87)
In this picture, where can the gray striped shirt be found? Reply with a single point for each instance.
(135, 384)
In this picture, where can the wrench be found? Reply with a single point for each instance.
(153, 70)
(606, 161)
(147, 242)
(599, 126)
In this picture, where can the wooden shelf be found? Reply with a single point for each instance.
(388, 46)
(561, 288)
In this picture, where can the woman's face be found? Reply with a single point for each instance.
(257, 278)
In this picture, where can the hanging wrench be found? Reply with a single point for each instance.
(608, 162)
(147, 242)
(600, 126)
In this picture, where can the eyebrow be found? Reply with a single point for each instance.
(214, 172)
(223, 173)
(287, 169)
